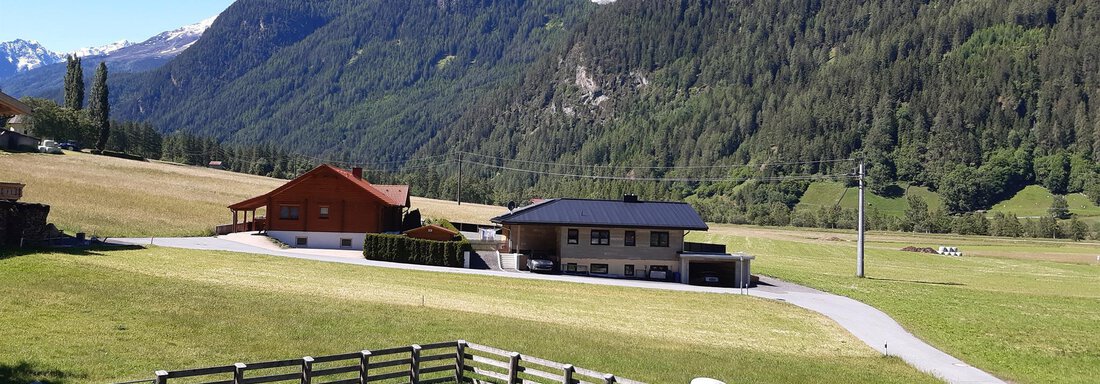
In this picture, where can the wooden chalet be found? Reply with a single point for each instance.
(326, 207)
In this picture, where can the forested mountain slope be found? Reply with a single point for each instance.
(973, 99)
(918, 88)
(373, 78)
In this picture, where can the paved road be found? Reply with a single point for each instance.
(868, 324)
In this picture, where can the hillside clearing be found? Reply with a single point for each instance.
(824, 194)
(116, 315)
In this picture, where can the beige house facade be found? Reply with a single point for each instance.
(620, 239)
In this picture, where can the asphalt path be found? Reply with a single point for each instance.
(868, 324)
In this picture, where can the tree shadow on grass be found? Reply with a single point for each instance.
(918, 282)
(75, 251)
(25, 372)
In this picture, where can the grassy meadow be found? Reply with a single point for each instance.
(1034, 201)
(104, 316)
(107, 196)
(1024, 310)
(830, 193)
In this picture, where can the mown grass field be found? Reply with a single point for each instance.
(113, 197)
(830, 193)
(1034, 201)
(1005, 307)
(106, 316)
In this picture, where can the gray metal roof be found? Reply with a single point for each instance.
(607, 213)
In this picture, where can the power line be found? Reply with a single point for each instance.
(663, 179)
(766, 164)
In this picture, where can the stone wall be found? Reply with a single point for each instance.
(22, 221)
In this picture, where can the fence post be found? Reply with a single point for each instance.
(364, 366)
(238, 372)
(513, 367)
(567, 374)
(608, 378)
(460, 362)
(307, 370)
(162, 377)
(414, 368)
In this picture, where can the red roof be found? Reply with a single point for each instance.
(391, 199)
(397, 193)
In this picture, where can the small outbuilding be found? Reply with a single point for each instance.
(432, 232)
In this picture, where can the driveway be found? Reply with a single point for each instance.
(868, 324)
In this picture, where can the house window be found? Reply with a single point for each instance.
(658, 239)
(288, 212)
(601, 237)
(301, 241)
(629, 238)
(599, 269)
(571, 267)
(628, 270)
(345, 243)
(323, 211)
(573, 235)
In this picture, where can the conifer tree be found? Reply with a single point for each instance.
(74, 83)
(99, 109)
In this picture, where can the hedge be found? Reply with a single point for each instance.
(121, 155)
(404, 249)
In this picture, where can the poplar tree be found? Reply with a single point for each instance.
(74, 83)
(99, 109)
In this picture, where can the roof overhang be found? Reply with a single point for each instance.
(11, 106)
(715, 257)
(600, 225)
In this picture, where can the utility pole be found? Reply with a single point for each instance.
(458, 198)
(859, 243)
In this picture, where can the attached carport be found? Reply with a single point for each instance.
(733, 270)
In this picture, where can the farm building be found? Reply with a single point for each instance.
(326, 207)
(621, 238)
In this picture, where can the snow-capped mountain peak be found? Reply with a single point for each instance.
(191, 30)
(24, 55)
(102, 50)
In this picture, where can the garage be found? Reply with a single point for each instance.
(714, 269)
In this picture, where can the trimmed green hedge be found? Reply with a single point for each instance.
(404, 249)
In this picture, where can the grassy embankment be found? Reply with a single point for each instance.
(107, 196)
(1024, 310)
(118, 315)
(1031, 202)
(828, 193)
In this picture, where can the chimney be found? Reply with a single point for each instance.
(357, 172)
(630, 198)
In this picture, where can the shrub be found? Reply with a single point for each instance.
(404, 249)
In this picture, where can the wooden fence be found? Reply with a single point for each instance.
(447, 362)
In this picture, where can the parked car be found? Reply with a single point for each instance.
(71, 145)
(710, 278)
(540, 265)
(49, 146)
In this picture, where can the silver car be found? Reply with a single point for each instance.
(540, 265)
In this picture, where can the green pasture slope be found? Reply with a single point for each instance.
(829, 193)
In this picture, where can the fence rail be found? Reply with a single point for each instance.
(446, 362)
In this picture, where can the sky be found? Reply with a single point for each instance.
(68, 25)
